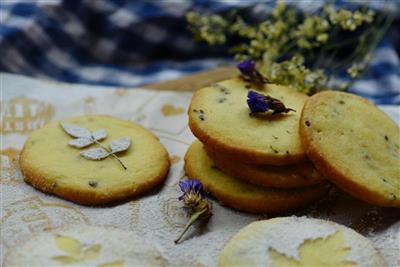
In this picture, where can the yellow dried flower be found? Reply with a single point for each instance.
(208, 28)
(279, 9)
(348, 20)
(312, 32)
(355, 70)
(322, 38)
(281, 43)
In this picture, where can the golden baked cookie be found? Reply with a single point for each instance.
(84, 246)
(220, 118)
(51, 162)
(243, 196)
(288, 176)
(299, 241)
(356, 145)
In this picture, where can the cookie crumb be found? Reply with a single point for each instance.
(93, 184)
(222, 100)
(273, 149)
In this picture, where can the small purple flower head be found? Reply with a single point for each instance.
(246, 67)
(256, 102)
(190, 186)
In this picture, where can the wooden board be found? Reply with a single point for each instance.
(194, 81)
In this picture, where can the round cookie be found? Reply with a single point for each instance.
(84, 246)
(220, 118)
(356, 145)
(51, 165)
(243, 196)
(299, 241)
(289, 176)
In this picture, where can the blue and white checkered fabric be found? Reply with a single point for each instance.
(132, 42)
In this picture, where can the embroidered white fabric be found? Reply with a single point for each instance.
(157, 216)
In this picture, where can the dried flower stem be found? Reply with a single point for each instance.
(110, 153)
(196, 205)
(192, 220)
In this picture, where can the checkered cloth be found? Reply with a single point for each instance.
(132, 42)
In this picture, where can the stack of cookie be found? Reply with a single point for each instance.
(251, 162)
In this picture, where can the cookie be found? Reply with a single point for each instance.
(85, 246)
(51, 163)
(220, 118)
(299, 241)
(356, 145)
(243, 196)
(289, 176)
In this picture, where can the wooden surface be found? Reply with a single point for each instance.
(194, 81)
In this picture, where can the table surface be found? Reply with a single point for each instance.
(194, 81)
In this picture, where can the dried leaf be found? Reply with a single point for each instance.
(120, 144)
(99, 134)
(112, 264)
(92, 252)
(76, 130)
(81, 142)
(66, 259)
(329, 251)
(68, 244)
(85, 138)
(95, 153)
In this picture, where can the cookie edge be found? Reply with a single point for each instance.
(332, 172)
(257, 207)
(255, 176)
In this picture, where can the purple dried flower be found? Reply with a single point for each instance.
(261, 103)
(256, 102)
(197, 206)
(246, 67)
(249, 72)
(187, 186)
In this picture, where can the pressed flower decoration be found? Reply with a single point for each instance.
(259, 103)
(256, 102)
(325, 48)
(195, 203)
(84, 138)
(249, 72)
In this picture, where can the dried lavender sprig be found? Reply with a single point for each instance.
(197, 206)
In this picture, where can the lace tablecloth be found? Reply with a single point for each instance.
(27, 104)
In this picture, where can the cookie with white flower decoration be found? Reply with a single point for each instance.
(84, 245)
(94, 159)
(299, 241)
(254, 124)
